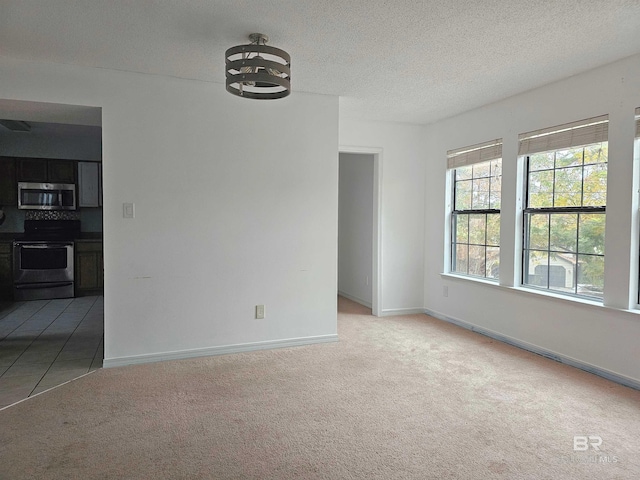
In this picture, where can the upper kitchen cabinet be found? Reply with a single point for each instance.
(42, 170)
(32, 170)
(89, 184)
(8, 186)
(61, 171)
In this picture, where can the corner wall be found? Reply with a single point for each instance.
(605, 338)
(235, 205)
(402, 150)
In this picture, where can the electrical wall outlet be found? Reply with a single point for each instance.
(445, 291)
(259, 311)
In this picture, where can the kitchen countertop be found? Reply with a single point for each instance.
(84, 236)
(89, 237)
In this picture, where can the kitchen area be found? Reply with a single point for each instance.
(51, 255)
(51, 236)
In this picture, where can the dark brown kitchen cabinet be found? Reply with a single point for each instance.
(8, 185)
(32, 170)
(88, 268)
(6, 271)
(44, 170)
(61, 171)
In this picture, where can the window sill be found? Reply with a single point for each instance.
(482, 280)
(538, 293)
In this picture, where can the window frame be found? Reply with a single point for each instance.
(455, 213)
(636, 157)
(528, 212)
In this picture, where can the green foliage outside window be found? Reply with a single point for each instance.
(476, 219)
(565, 220)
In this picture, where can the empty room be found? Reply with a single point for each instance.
(320, 239)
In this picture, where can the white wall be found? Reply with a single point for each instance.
(355, 227)
(402, 168)
(235, 205)
(595, 336)
(69, 142)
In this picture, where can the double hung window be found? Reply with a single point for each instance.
(637, 157)
(565, 210)
(475, 219)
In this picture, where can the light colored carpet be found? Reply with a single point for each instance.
(397, 397)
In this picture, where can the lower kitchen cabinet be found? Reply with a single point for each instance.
(6, 271)
(88, 268)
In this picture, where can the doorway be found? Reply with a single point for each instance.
(359, 238)
(48, 341)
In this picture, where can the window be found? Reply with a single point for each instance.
(475, 219)
(637, 157)
(565, 211)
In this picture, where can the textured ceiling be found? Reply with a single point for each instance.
(404, 60)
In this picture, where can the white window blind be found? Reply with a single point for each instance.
(479, 153)
(576, 134)
(638, 122)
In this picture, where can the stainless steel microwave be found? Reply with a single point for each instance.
(46, 196)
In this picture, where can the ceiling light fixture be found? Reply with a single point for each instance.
(258, 71)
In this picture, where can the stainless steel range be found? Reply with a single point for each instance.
(43, 260)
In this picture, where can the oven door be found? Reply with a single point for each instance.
(42, 262)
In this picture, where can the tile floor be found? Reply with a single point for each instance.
(44, 343)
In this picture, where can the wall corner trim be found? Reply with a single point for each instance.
(222, 350)
(587, 367)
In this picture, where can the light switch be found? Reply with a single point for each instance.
(128, 210)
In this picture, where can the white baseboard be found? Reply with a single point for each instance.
(223, 350)
(558, 357)
(387, 312)
(355, 299)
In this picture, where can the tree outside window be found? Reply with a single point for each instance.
(565, 220)
(475, 239)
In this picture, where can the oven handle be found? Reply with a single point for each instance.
(33, 286)
(43, 245)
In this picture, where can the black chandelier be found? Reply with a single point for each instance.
(258, 71)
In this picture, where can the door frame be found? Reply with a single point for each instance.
(376, 267)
